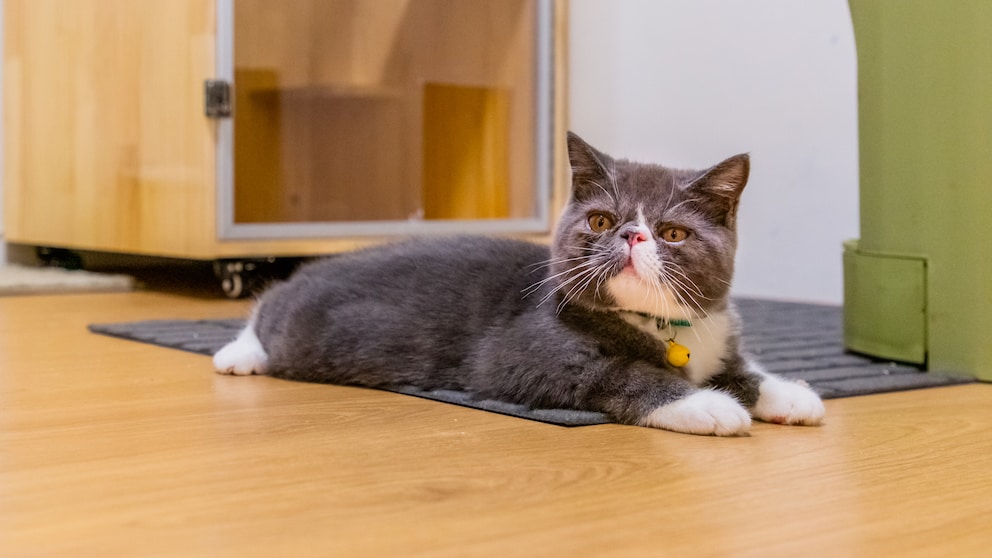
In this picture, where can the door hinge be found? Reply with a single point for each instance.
(217, 98)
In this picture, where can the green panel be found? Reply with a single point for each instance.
(924, 111)
(885, 305)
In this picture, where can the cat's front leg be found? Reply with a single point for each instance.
(706, 412)
(784, 402)
(644, 395)
(768, 397)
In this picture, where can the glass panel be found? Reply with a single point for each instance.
(378, 110)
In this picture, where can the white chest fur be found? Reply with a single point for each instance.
(706, 340)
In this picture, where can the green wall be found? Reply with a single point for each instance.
(925, 117)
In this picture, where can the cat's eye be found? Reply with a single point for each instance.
(674, 235)
(600, 222)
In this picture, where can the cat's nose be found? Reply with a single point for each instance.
(634, 236)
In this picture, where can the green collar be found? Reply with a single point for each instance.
(662, 323)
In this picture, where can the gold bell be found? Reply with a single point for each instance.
(678, 355)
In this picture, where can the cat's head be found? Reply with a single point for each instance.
(647, 238)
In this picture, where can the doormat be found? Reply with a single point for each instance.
(794, 340)
(25, 280)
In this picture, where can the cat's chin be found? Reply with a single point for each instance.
(632, 293)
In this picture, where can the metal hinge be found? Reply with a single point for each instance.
(217, 98)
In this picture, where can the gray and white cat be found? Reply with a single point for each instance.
(627, 314)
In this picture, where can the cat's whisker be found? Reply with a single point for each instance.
(664, 299)
(674, 267)
(657, 292)
(580, 287)
(600, 186)
(577, 287)
(552, 261)
(570, 280)
(693, 306)
(558, 288)
(537, 284)
(680, 285)
(671, 194)
(686, 282)
(599, 282)
(531, 289)
(604, 275)
(548, 263)
(654, 295)
(688, 288)
(690, 200)
(613, 179)
(590, 250)
(724, 281)
(695, 318)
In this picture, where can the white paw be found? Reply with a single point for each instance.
(784, 402)
(243, 356)
(705, 412)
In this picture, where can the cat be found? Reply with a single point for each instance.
(627, 314)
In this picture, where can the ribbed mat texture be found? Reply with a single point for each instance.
(798, 341)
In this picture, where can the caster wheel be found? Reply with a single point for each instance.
(241, 278)
(235, 277)
(233, 285)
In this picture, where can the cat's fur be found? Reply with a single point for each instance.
(573, 327)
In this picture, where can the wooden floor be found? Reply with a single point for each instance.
(114, 448)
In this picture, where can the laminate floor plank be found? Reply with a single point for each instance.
(115, 448)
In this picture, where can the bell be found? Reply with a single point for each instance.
(678, 355)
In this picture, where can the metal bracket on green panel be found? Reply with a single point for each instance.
(885, 305)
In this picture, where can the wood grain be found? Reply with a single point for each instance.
(114, 448)
(106, 146)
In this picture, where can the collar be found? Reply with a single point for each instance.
(661, 322)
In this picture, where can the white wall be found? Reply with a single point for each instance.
(689, 82)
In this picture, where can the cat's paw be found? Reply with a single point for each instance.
(705, 412)
(243, 356)
(784, 402)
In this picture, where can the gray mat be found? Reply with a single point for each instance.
(798, 341)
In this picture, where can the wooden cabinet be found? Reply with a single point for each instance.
(351, 121)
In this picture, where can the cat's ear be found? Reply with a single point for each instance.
(723, 184)
(590, 168)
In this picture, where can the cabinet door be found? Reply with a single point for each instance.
(105, 143)
(373, 117)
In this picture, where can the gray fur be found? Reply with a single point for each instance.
(515, 321)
